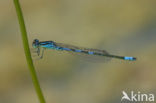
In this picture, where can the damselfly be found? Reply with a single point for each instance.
(70, 48)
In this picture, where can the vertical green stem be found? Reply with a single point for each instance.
(27, 51)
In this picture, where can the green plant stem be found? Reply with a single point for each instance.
(27, 52)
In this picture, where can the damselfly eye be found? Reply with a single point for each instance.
(35, 43)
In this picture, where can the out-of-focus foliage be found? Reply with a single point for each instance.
(122, 27)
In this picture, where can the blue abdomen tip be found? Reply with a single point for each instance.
(130, 58)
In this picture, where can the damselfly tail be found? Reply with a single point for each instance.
(122, 57)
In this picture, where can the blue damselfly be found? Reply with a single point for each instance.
(70, 48)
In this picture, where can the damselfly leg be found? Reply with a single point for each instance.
(39, 53)
(42, 53)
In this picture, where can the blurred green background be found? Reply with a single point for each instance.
(122, 27)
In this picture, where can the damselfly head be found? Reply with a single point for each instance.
(35, 43)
